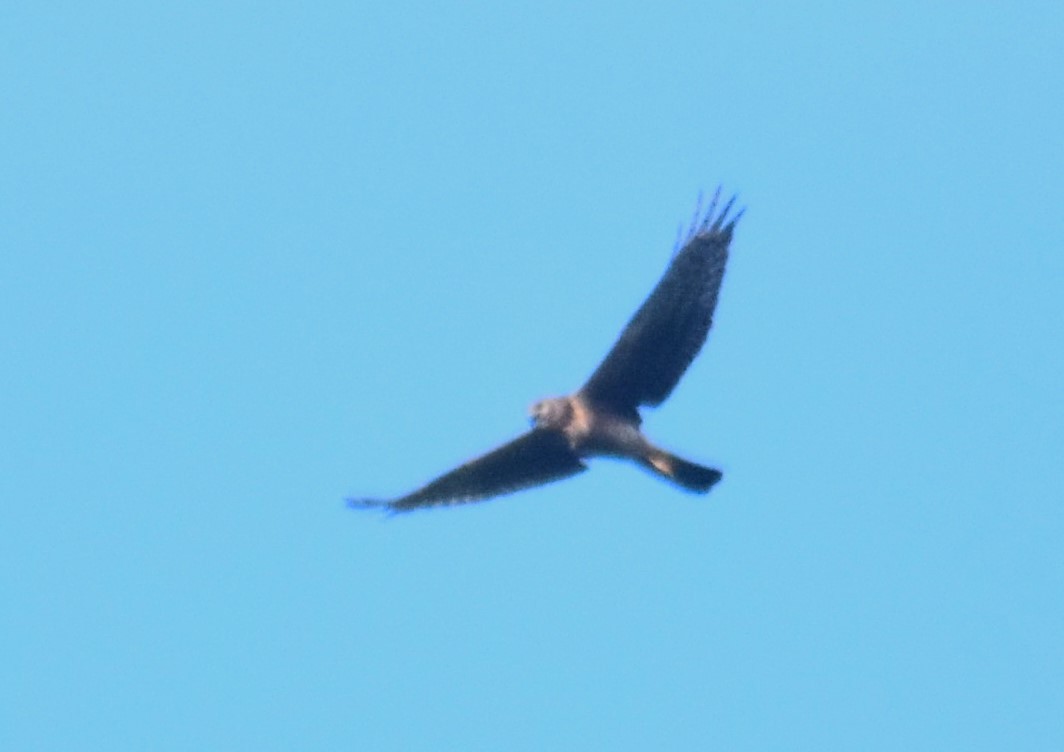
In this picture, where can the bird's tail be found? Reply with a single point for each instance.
(688, 475)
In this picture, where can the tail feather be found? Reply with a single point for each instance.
(688, 475)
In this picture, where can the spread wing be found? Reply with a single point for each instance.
(537, 457)
(668, 330)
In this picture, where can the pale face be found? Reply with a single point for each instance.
(553, 412)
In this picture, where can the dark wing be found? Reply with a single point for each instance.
(539, 456)
(670, 327)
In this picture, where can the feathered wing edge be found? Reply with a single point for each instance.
(667, 331)
(709, 223)
(537, 457)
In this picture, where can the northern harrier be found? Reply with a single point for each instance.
(602, 417)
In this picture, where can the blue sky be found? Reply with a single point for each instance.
(254, 259)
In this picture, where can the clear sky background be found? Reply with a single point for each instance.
(255, 259)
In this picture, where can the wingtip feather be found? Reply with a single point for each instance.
(378, 504)
(713, 222)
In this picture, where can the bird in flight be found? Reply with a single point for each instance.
(602, 417)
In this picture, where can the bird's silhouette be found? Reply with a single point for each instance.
(602, 417)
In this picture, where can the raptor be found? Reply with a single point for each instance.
(602, 417)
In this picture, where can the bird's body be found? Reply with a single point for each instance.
(597, 431)
(589, 430)
(602, 417)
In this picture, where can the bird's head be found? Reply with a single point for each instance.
(554, 412)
